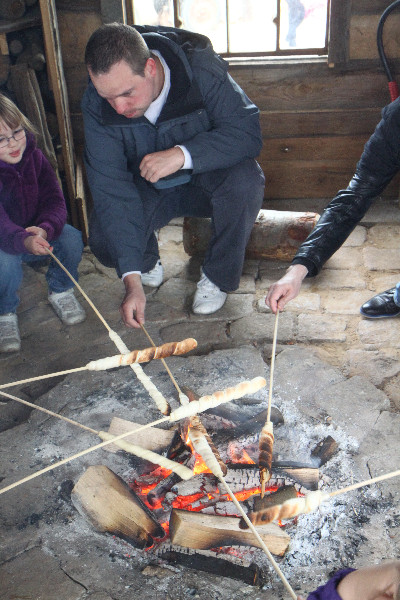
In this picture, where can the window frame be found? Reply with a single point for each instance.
(337, 42)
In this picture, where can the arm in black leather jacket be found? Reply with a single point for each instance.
(379, 163)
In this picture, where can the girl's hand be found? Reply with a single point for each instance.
(35, 244)
(37, 231)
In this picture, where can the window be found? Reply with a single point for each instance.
(245, 27)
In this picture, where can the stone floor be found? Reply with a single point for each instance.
(323, 322)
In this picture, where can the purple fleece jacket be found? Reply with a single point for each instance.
(328, 591)
(29, 195)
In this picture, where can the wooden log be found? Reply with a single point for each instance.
(275, 234)
(279, 497)
(305, 474)
(153, 438)
(200, 531)
(217, 564)
(324, 450)
(112, 507)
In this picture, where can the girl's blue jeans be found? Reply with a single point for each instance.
(67, 248)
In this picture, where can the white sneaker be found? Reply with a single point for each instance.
(153, 278)
(67, 307)
(208, 297)
(10, 340)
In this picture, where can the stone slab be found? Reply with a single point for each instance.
(345, 258)
(377, 366)
(339, 279)
(344, 302)
(384, 236)
(375, 333)
(321, 327)
(260, 328)
(357, 237)
(379, 259)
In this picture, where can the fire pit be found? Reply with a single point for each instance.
(343, 531)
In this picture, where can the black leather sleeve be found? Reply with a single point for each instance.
(379, 163)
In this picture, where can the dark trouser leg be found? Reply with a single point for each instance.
(231, 197)
(235, 197)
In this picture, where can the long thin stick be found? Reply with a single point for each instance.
(260, 540)
(199, 406)
(78, 455)
(48, 412)
(155, 394)
(39, 377)
(163, 361)
(355, 486)
(88, 300)
(271, 377)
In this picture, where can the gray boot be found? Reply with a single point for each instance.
(10, 340)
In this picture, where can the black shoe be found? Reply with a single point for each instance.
(381, 306)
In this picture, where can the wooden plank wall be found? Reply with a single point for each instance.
(315, 119)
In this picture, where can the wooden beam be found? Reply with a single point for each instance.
(57, 82)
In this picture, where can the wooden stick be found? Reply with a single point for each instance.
(119, 360)
(78, 455)
(158, 398)
(267, 434)
(271, 378)
(260, 540)
(197, 406)
(355, 486)
(163, 361)
(88, 300)
(48, 412)
(39, 377)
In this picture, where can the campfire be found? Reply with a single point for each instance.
(194, 522)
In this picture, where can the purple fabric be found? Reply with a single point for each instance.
(29, 195)
(328, 591)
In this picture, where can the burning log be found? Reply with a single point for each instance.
(200, 531)
(112, 507)
(226, 565)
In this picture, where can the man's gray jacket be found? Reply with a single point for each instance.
(206, 111)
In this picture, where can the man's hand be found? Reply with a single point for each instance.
(36, 244)
(160, 164)
(380, 582)
(286, 288)
(134, 302)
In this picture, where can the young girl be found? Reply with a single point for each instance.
(32, 218)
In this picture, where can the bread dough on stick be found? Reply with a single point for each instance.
(266, 443)
(206, 402)
(152, 457)
(157, 396)
(139, 356)
(290, 509)
(202, 447)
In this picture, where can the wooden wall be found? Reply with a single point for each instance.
(315, 118)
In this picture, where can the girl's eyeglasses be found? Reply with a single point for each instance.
(17, 135)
